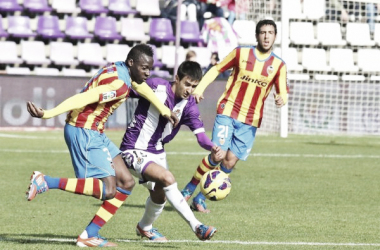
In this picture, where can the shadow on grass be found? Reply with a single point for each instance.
(38, 239)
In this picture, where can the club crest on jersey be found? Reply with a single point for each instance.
(109, 95)
(222, 141)
(140, 160)
(177, 112)
(222, 106)
(270, 69)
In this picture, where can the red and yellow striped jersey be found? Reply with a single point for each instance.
(111, 84)
(252, 78)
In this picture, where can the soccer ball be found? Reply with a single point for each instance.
(215, 185)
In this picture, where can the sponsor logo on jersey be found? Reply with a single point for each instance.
(260, 82)
(223, 105)
(109, 95)
(270, 69)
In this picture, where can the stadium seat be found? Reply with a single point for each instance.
(160, 73)
(48, 27)
(161, 30)
(244, 37)
(290, 57)
(76, 28)
(10, 6)
(33, 52)
(92, 6)
(37, 5)
(148, 7)
(117, 52)
(19, 26)
(156, 62)
(314, 9)
(355, 78)
(132, 29)
(342, 60)
(106, 29)
(66, 6)
(368, 60)
(358, 34)
(295, 10)
(46, 71)
(330, 34)
(74, 72)
(3, 33)
(169, 53)
(8, 52)
(298, 76)
(17, 70)
(325, 77)
(121, 7)
(62, 53)
(190, 32)
(377, 34)
(203, 55)
(302, 33)
(91, 54)
(314, 59)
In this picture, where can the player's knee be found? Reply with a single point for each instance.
(110, 193)
(168, 179)
(126, 184)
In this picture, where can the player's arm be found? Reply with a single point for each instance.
(145, 91)
(281, 95)
(80, 100)
(213, 73)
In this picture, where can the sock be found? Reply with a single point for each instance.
(86, 186)
(176, 199)
(206, 165)
(199, 196)
(106, 212)
(152, 211)
(224, 169)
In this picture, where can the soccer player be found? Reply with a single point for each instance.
(144, 154)
(255, 70)
(95, 158)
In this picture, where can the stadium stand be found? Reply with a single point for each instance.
(76, 28)
(302, 33)
(121, 7)
(34, 53)
(3, 33)
(66, 6)
(244, 37)
(92, 6)
(150, 8)
(116, 52)
(132, 29)
(161, 30)
(62, 53)
(190, 32)
(10, 6)
(90, 54)
(358, 34)
(330, 34)
(342, 60)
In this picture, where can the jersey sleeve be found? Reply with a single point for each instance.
(228, 62)
(192, 118)
(104, 93)
(281, 83)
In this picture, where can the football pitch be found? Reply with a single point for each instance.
(302, 192)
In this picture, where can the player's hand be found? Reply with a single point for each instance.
(278, 100)
(173, 119)
(217, 154)
(34, 111)
(198, 98)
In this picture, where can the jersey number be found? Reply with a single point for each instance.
(223, 131)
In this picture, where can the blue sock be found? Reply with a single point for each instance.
(53, 183)
(199, 196)
(211, 162)
(92, 229)
(191, 187)
(224, 169)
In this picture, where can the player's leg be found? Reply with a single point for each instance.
(108, 209)
(165, 179)
(154, 206)
(222, 134)
(91, 161)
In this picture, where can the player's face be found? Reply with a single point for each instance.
(265, 38)
(140, 69)
(185, 87)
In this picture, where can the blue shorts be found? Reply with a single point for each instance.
(236, 136)
(91, 152)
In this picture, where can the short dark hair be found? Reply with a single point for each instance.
(263, 22)
(191, 69)
(139, 49)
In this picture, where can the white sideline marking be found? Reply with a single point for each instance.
(27, 136)
(220, 242)
(64, 151)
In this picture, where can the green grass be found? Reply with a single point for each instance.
(303, 189)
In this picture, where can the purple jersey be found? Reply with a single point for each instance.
(149, 130)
